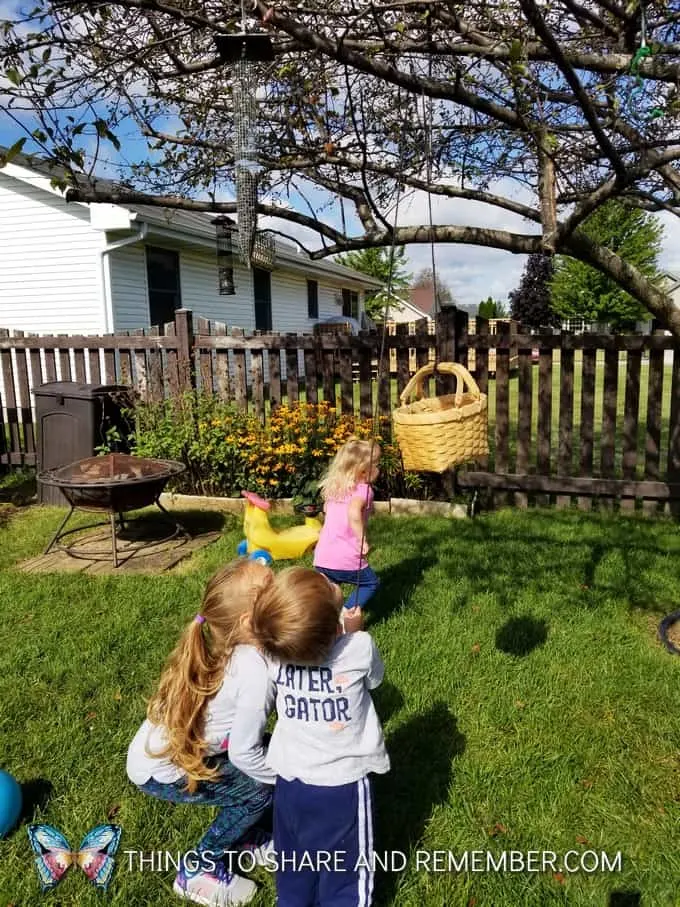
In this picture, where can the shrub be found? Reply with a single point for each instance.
(226, 450)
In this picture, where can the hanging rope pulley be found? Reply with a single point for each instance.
(255, 48)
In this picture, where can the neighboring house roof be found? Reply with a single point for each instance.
(406, 305)
(194, 227)
(422, 298)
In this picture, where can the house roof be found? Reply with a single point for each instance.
(195, 227)
(422, 298)
(411, 307)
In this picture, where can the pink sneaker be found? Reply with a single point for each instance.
(260, 844)
(263, 853)
(211, 891)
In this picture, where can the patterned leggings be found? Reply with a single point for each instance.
(243, 803)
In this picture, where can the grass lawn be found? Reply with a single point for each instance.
(527, 706)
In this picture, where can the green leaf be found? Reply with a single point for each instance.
(12, 152)
(515, 51)
(13, 76)
(113, 139)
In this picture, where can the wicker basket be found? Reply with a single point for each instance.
(436, 433)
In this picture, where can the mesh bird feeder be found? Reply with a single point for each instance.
(244, 51)
(224, 230)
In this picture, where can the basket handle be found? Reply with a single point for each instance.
(414, 389)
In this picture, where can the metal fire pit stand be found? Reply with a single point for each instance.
(101, 555)
(114, 484)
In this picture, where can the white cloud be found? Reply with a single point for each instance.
(471, 272)
(670, 257)
(474, 272)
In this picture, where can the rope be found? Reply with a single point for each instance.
(427, 120)
(381, 353)
(641, 54)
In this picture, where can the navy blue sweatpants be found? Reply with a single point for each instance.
(323, 838)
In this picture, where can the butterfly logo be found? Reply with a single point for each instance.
(94, 856)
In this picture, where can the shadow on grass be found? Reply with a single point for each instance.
(397, 584)
(591, 559)
(624, 899)
(521, 635)
(6, 511)
(152, 525)
(200, 521)
(422, 752)
(388, 700)
(18, 487)
(35, 795)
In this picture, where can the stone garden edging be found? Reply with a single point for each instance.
(395, 506)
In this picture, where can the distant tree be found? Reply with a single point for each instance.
(391, 270)
(530, 302)
(579, 291)
(492, 308)
(425, 278)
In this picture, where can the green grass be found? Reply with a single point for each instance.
(527, 705)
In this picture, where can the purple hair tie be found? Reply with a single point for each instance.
(199, 619)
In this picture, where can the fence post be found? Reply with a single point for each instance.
(184, 330)
(445, 328)
(446, 340)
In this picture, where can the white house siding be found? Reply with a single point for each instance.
(289, 302)
(50, 276)
(198, 276)
(405, 315)
(127, 282)
(198, 286)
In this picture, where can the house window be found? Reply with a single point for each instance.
(162, 274)
(262, 292)
(350, 303)
(312, 299)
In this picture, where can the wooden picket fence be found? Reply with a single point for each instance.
(585, 416)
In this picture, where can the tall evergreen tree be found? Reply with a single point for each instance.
(392, 271)
(492, 308)
(530, 302)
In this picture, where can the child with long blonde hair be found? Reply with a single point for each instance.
(203, 739)
(340, 553)
(326, 742)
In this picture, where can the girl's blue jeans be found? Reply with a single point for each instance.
(365, 583)
(242, 801)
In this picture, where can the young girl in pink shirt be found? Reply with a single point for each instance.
(341, 551)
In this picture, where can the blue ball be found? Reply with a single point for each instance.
(10, 803)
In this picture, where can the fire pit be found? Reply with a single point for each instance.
(115, 483)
